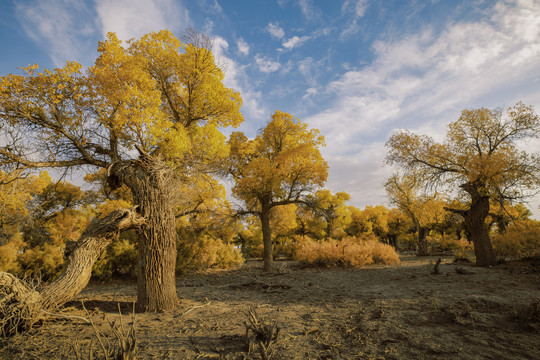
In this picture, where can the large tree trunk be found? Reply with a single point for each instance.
(150, 182)
(329, 228)
(422, 249)
(267, 236)
(21, 306)
(475, 225)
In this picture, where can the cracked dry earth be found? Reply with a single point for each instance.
(385, 312)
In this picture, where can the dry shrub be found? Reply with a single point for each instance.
(349, 252)
(204, 253)
(264, 333)
(521, 240)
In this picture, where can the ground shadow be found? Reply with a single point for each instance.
(107, 306)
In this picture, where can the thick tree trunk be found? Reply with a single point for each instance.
(99, 234)
(422, 249)
(267, 236)
(149, 180)
(475, 225)
(392, 240)
(21, 306)
(329, 228)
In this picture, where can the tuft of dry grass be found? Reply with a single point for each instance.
(263, 333)
(126, 340)
(349, 252)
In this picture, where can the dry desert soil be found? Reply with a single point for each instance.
(381, 312)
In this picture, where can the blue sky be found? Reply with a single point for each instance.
(355, 69)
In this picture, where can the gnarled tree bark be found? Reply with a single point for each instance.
(149, 180)
(475, 224)
(21, 306)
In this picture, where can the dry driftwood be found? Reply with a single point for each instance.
(21, 306)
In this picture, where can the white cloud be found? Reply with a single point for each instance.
(243, 46)
(309, 11)
(362, 175)
(358, 9)
(266, 65)
(295, 41)
(133, 18)
(275, 30)
(422, 81)
(61, 26)
(236, 78)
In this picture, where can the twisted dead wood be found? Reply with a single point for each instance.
(21, 306)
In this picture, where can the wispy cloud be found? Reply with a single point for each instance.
(266, 65)
(133, 18)
(236, 78)
(275, 30)
(295, 41)
(243, 46)
(358, 9)
(61, 26)
(425, 79)
(309, 11)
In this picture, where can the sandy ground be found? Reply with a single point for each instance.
(391, 312)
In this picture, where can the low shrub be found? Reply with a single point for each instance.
(119, 260)
(204, 252)
(9, 253)
(349, 252)
(449, 244)
(521, 240)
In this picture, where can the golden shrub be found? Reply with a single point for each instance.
(45, 261)
(119, 260)
(349, 252)
(9, 253)
(521, 240)
(204, 253)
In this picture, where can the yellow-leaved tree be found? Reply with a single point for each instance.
(425, 210)
(481, 157)
(281, 165)
(148, 112)
(331, 207)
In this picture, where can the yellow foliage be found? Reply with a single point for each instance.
(120, 259)
(459, 247)
(521, 240)
(111, 205)
(9, 253)
(284, 160)
(204, 253)
(349, 252)
(44, 261)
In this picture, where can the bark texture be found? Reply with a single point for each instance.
(475, 225)
(21, 305)
(422, 241)
(268, 256)
(99, 234)
(149, 181)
